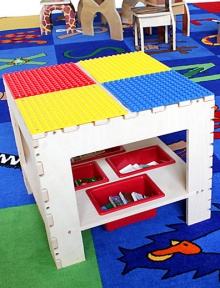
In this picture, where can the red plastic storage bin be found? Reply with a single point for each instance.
(141, 157)
(87, 175)
(130, 220)
(141, 184)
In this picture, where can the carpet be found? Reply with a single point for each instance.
(212, 8)
(117, 258)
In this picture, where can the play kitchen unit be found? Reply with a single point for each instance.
(88, 131)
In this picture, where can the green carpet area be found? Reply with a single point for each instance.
(33, 249)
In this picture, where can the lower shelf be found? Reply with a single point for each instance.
(170, 179)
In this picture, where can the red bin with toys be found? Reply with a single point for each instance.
(136, 189)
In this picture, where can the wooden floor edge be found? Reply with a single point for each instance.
(21, 22)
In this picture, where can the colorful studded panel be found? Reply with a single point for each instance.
(155, 90)
(122, 66)
(47, 79)
(68, 108)
(66, 95)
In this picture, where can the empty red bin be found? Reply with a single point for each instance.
(141, 184)
(87, 175)
(146, 158)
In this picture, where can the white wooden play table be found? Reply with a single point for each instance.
(47, 108)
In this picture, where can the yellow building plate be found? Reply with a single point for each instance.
(122, 66)
(71, 107)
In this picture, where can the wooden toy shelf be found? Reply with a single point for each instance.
(46, 161)
(174, 189)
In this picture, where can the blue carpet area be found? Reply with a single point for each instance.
(122, 254)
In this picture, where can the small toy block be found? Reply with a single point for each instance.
(46, 80)
(131, 64)
(155, 90)
(71, 107)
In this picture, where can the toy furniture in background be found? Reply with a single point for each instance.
(218, 35)
(79, 9)
(87, 11)
(70, 113)
(127, 15)
(179, 7)
(65, 6)
(154, 16)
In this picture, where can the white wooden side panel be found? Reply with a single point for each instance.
(25, 145)
(58, 209)
(199, 157)
(118, 131)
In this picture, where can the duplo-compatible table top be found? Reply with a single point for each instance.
(65, 95)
